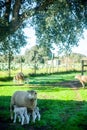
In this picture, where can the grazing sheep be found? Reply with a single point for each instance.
(24, 99)
(21, 113)
(19, 78)
(82, 79)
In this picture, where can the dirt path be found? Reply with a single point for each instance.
(74, 85)
(78, 96)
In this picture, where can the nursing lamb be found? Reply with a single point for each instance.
(24, 99)
(21, 114)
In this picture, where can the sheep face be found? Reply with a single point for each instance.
(32, 95)
(78, 77)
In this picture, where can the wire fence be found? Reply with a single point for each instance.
(42, 68)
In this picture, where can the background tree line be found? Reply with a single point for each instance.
(37, 58)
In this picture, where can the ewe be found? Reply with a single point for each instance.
(21, 113)
(82, 79)
(24, 99)
(19, 78)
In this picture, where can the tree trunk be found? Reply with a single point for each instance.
(21, 63)
(9, 64)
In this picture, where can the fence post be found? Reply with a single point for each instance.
(82, 67)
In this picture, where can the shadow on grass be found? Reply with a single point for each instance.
(55, 115)
(62, 84)
(6, 85)
(44, 82)
(47, 86)
(54, 80)
(5, 79)
(59, 73)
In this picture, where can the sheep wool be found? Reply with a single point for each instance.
(26, 99)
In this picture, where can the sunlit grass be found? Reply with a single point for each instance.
(59, 105)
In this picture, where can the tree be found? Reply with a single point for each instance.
(55, 21)
(61, 24)
(11, 45)
(36, 55)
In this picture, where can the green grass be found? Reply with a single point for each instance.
(59, 104)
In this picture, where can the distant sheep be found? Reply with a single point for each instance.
(82, 79)
(24, 99)
(19, 78)
(21, 114)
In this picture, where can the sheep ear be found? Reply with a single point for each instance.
(31, 91)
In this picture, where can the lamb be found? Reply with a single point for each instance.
(82, 79)
(37, 113)
(21, 113)
(19, 78)
(24, 99)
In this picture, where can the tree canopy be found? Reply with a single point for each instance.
(55, 21)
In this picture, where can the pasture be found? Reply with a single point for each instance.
(61, 99)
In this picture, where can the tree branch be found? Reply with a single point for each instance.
(17, 19)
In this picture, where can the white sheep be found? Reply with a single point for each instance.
(21, 114)
(19, 78)
(82, 79)
(24, 99)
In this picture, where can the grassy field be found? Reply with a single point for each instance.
(61, 99)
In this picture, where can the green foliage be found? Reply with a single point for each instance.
(59, 25)
(55, 21)
(37, 55)
(13, 43)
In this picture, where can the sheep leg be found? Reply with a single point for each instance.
(33, 116)
(39, 116)
(22, 122)
(19, 118)
(15, 117)
(11, 110)
(11, 114)
(83, 84)
(28, 118)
